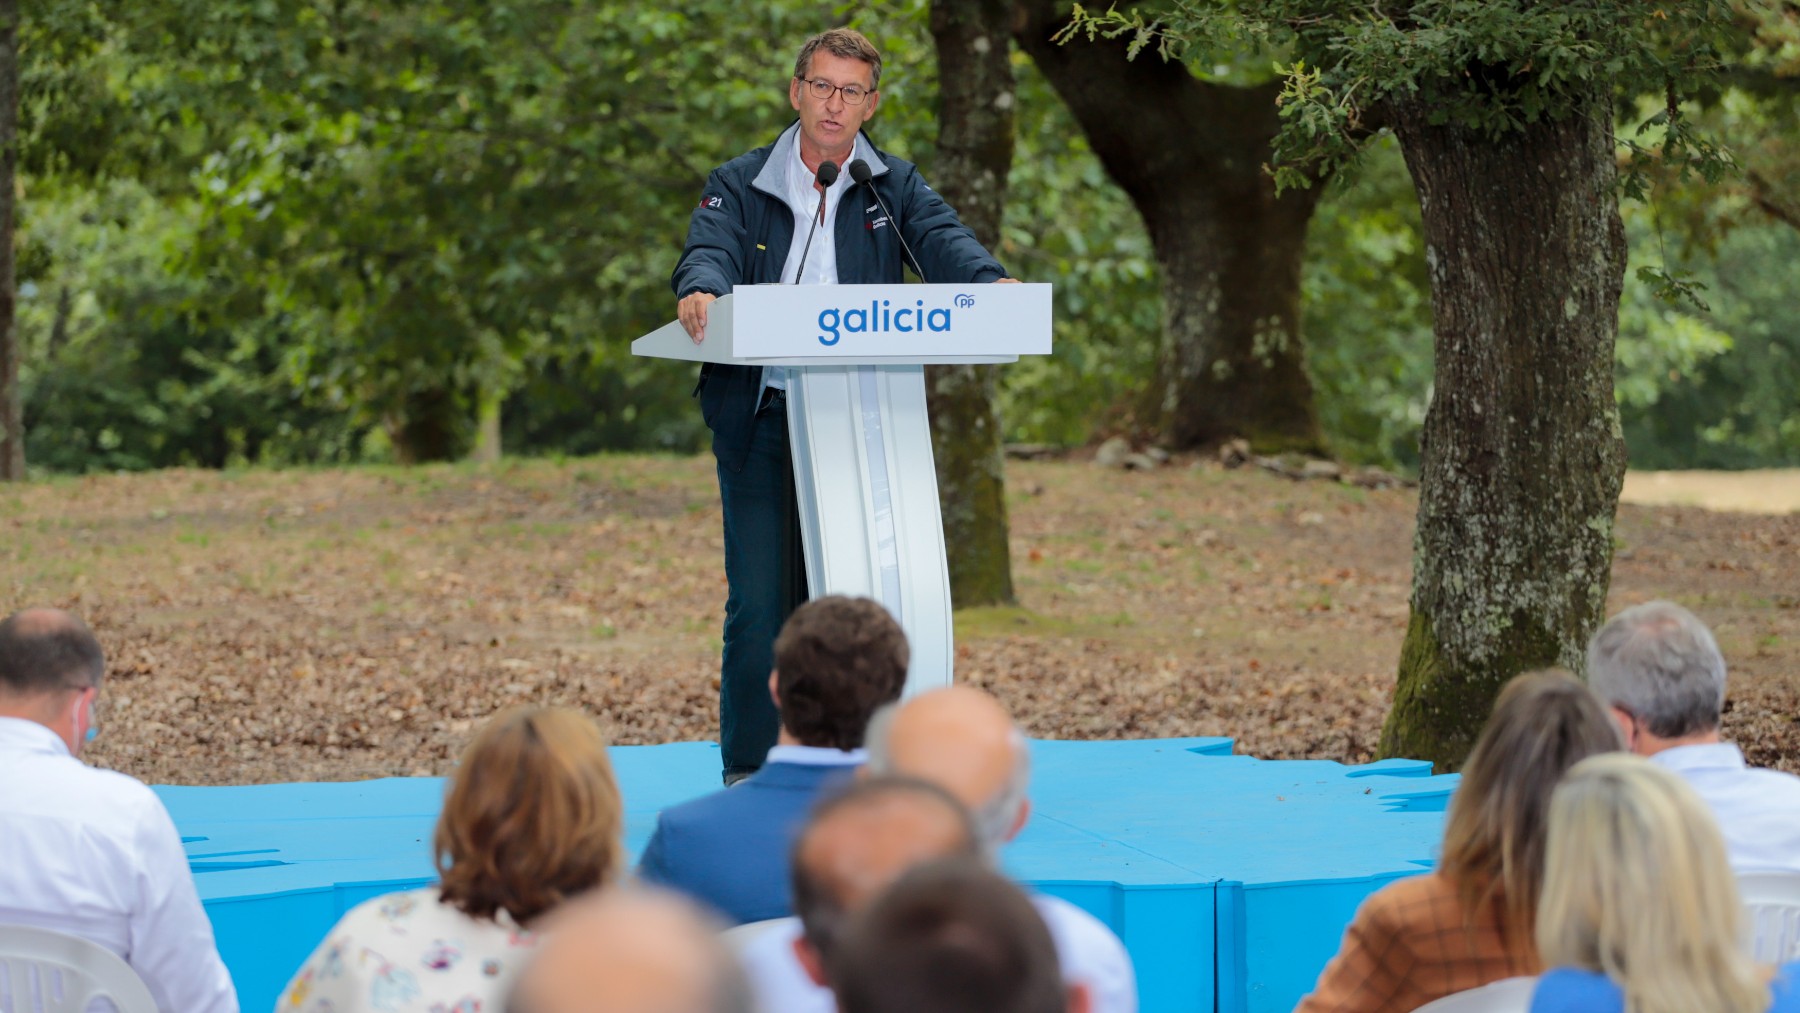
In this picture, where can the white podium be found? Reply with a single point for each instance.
(859, 427)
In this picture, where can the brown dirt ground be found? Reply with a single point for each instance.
(310, 625)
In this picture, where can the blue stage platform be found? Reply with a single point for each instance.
(1229, 878)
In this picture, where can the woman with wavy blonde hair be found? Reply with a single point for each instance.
(1640, 913)
(532, 818)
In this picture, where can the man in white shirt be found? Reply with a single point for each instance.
(91, 852)
(1659, 669)
(964, 742)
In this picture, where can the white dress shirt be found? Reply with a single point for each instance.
(820, 267)
(817, 756)
(1758, 809)
(1089, 953)
(93, 853)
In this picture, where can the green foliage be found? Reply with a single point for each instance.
(436, 195)
(1367, 306)
(1068, 225)
(118, 376)
(1716, 388)
(278, 230)
(1492, 67)
(1698, 386)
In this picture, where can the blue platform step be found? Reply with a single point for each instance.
(1229, 878)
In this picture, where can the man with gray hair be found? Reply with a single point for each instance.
(631, 950)
(964, 741)
(1659, 669)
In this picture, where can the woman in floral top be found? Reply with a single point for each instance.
(533, 817)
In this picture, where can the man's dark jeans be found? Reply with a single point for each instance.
(766, 572)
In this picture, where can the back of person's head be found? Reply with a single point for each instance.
(1637, 886)
(1659, 664)
(964, 741)
(857, 842)
(1543, 723)
(533, 816)
(631, 950)
(949, 936)
(46, 651)
(837, 660)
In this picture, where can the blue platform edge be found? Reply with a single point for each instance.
(1229, 878)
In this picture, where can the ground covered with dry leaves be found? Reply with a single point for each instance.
(320, 625)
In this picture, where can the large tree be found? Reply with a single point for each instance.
(1504, 111)
(975, 150)
(1191, 154)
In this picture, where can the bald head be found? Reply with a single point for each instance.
(44, 650)
(962, 740)
(631, 951)
(858, 842)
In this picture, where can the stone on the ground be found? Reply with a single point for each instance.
(1113, 452)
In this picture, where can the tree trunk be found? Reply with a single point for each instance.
(1190, 154)
(431, 425)
(1521, 456)
(487, 449)
(975, 146)
(12, 409)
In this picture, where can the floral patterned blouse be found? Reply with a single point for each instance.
(410, 953)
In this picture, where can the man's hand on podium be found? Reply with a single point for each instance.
(1006, 281)
(691, 311)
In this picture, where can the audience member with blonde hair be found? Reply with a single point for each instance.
(1470, 922)
(533, 817)
(1640, 912)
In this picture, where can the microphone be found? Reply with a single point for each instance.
(859, 171)
(827, 175)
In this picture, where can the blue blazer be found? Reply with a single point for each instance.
(730, 850)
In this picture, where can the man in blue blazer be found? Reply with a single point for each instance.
(837, 661)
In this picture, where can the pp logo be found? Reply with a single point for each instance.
(964, 301)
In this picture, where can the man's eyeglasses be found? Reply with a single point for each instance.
(854, 94)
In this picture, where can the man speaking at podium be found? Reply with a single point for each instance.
(819, 206)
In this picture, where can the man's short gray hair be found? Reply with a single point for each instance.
(1660, 664)
(846, 43)
(995, 818)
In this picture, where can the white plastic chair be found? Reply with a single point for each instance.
(1773, 899)
(1508, 995)
(739, 936)
(50, 972)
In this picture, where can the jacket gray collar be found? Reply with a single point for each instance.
(772, 179)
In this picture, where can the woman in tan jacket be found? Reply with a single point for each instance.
(1471, 921)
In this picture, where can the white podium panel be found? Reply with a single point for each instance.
(919, 322)
(861, 434)
(849, 325)
(869, 514)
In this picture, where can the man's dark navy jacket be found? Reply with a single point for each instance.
(730, 849)
(741, 232)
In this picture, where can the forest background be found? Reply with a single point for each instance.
(261, 232)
